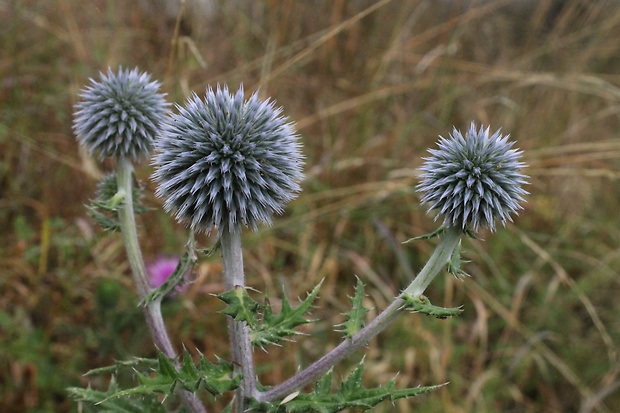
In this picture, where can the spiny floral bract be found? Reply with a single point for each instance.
(225, 161)
(120, 115)
(473, 180)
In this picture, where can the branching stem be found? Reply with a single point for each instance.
(441, 255)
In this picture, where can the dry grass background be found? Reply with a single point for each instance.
(370, 85)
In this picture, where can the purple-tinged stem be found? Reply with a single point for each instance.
(239, 332)
(152, 311)
(436, 262)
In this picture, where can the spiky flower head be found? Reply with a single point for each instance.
(224, 161)
(119, 116)
(473, 181)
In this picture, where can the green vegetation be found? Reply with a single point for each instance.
(370, 85)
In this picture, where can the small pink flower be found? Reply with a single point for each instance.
(161, 268)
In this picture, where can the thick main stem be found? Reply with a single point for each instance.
(239, 332)
(152, 311)
(436, 262)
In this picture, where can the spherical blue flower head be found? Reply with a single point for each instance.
(473, 181)
(120, 115)
(224, 161)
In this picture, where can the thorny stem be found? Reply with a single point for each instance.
(152, 310)
(239, 332)
(441, 255)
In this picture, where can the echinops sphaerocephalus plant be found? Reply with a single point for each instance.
(225, 162)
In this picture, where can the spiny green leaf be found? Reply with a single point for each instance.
(189, 371)
(433, 234)
(351, 394)
(166, 368)
(136, 363)
(324, 385)
(145, 403)
(276, 327)
(241, 306)
(109, 198)
(104, 207)
(159, 383)
(165, 378)
(185, 265)
(423, 305)
(355, 317)
(455, 262)
(107, 223)
(218, 378)
(164, 381)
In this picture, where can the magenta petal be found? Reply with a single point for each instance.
(160, 269)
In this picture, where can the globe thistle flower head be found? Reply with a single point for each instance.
(119, 116)
(472, 181)
(224, 161)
